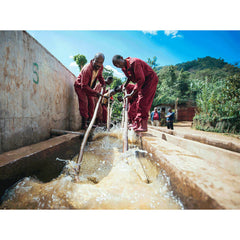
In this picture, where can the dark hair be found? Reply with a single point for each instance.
(116, 57)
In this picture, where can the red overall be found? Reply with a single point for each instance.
(100, 109)
(146, 80)
(132, 103)
(105, 108)
(85, 92)
(104, 112)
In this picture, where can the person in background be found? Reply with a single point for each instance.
(102, 110)
(84, 87)
(155, 117)
(170, 118)
(139, 72)
(132, 102)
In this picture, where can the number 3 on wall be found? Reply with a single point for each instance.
(35, 67)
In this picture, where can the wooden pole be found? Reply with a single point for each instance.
(125, 129)
(108, 112)
(87, 132)
(123, 114)
(176, 109)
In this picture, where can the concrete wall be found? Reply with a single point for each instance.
(36, 92)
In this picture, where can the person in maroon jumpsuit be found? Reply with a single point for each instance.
(139, 72)
(84, 85)
(132, 103)
(102, 110)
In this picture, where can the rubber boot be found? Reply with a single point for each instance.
(84, 124)
(143, 126)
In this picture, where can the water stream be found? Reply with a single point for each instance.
(108, 179)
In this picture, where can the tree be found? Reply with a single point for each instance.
(117, 106)
(107, 73)
(152, 63)
(81, 60)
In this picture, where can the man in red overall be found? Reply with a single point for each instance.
(146, 80)
(84, 85)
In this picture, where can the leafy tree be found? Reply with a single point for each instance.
(152, 62)
(107, 73)
(117, 106)
(81, 60)
(218, 105)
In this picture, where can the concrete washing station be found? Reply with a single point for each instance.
(37, 96)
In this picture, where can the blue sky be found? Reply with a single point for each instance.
(170, 47)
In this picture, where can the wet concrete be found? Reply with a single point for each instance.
(227, 143)
(201, 184)
(226, 159)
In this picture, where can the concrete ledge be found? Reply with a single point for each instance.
(199, 184)
(228, 160)
(202, 139)
(37, 160)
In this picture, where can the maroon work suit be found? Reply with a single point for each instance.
(146, 80)
(100, 113)
(104, 112)
(86, 93)
(132, 103)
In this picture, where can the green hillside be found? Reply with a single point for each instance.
(210, 84)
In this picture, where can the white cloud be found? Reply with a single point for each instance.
(172, 33)
(73, 64)
(71, 57)
(152, 32)
(115, 72)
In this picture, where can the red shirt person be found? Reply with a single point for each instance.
(84, 85)
(139, 72)
(132, 104)
(102, 110)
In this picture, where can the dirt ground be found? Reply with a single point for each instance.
(185, 127)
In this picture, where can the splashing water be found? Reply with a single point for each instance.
(108, 179)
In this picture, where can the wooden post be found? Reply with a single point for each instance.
(108, 112)
(125, 129)
(176, 110)
(123, 114)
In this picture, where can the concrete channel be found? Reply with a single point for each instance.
(37, 160)
(198, 177)
(37, 95)
(205, 177)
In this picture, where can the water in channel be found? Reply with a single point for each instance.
(108, 179)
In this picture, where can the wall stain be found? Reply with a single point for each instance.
(5, 71)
